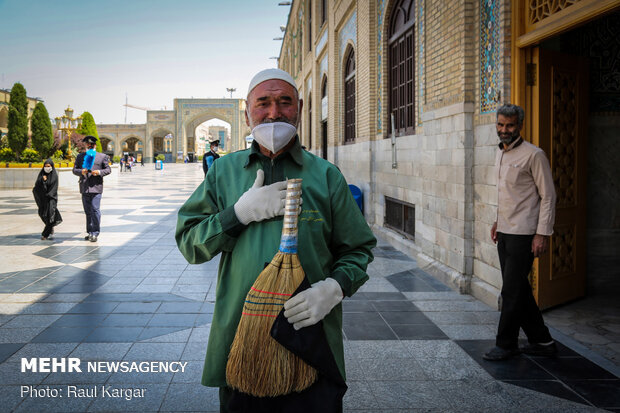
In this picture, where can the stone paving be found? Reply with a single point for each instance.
(412, 344)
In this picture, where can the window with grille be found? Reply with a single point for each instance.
(400, 216)
(402, 63)
(349, 98)
(323, 11)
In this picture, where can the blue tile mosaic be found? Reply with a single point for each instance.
(380, 17)
(490, 63)
(348, 33)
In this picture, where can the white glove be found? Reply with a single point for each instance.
(261, 202)
(312, 305)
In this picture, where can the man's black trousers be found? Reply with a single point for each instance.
(519, 309)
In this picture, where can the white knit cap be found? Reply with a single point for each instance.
(269, 74)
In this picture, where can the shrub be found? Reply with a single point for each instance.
(7, 155)
(160, 157)
(30, 155)
(57, 156)
(116, 159)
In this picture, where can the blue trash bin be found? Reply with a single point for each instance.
(358, 196)
(159, 164)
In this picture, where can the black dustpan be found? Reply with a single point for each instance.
(310, 344)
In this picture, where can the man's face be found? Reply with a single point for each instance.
(90, 145)
(508, 128)
(272, 101)
(214, 148)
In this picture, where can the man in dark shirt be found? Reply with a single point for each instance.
(209, 157)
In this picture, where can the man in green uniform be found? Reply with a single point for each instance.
(238, 209)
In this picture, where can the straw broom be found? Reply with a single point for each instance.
(258, 364)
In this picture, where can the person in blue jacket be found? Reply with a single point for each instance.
(209, 157)
(91, 173)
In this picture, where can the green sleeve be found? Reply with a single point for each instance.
(352, 239)
(205, 227)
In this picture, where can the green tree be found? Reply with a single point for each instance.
(89, 127)
(18, 119)
(42, 136)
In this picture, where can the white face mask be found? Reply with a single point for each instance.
(47, 169)
(274, 136)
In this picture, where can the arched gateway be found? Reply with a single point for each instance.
(171, 132)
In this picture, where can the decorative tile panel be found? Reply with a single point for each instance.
(490, 56)
(380, 18)
(300, 38)
(323, 67)
(322, 43)
(348, 32)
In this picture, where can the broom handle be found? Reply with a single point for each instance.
(288, 242)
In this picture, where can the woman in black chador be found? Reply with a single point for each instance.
(46, 196)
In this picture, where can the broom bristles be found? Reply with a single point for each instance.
(258, 364)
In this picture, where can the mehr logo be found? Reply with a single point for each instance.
(51, 365)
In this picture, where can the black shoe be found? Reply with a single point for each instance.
(499, 354)
(545, 350)
(87, 238)
(93, 238)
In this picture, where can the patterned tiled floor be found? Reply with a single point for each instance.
(411, 343)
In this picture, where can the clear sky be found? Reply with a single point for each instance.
(88, 54)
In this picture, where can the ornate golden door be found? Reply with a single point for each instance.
(558, 95)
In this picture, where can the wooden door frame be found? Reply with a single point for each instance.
(525, 38)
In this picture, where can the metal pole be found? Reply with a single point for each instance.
(394, 161)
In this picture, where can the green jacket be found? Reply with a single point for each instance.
(334, 239)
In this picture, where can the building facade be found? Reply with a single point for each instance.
(172, 133)
(402, 94)
(220, 133)
(5, 98)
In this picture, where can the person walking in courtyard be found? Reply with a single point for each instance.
(91, 185)
(237, 211)
(525, 218)
(211, 156)
(45, 193)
